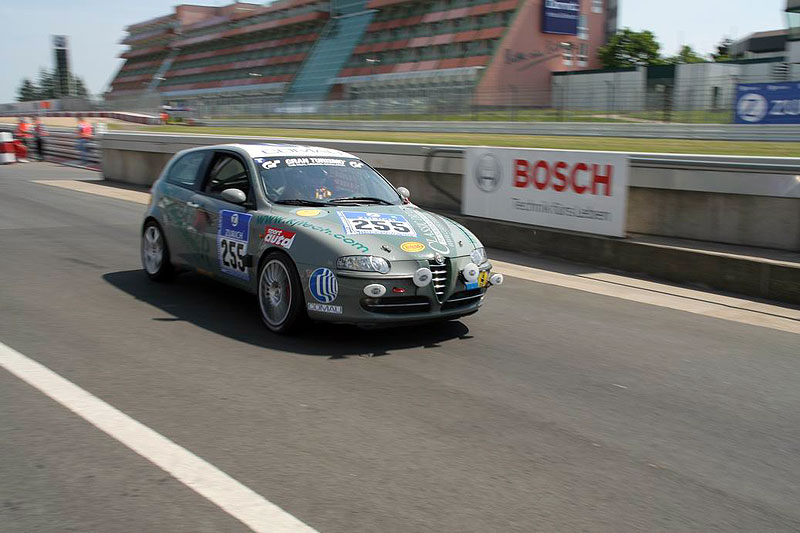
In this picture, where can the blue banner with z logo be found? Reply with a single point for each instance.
(768, 103)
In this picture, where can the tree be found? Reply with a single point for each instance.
(723, 52)
(629, 48)
(27, 91)
(78, 87)
(686, 55)
(47, 87)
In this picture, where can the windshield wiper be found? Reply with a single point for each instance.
(360, 200)
(300, 201)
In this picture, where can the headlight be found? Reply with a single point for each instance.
(479, 256)
(363, 263)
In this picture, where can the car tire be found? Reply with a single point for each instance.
(155, 253)
(281, 301)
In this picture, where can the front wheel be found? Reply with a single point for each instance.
(155, 254)
(280, 294)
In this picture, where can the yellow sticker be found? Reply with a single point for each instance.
(412, 247)
(308, 212)
(483, 279)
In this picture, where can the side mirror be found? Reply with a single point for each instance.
(405, 193)
(234, 196)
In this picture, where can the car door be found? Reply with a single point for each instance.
(179, 217)
(227, 224)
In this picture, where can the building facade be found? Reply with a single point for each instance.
(495, 52)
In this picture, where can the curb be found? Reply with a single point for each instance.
(757, 277)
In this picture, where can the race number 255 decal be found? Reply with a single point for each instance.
(359, 223)
(232, 238)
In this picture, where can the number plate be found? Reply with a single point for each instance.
(360, 223)
(483, 281)
(232, 239)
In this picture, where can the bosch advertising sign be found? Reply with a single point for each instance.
(578, 191)
(768, 103)
(561, 16)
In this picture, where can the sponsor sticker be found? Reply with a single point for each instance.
(232, 237)
(278, 237)
(308, 212)
(438, 241)
(323, 285)
(295, 223)
(321, 308)
(482, 282)
(268, 164)
(360, 223)
(277, 151)
(412, 247)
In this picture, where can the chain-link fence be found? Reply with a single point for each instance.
(634, 96)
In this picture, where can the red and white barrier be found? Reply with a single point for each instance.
(7, 153)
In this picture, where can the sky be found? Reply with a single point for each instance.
(95, 28)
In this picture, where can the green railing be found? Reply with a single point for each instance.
(331, 52)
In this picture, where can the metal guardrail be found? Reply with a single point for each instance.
(61, 144)
(713, 132)
(698, 164)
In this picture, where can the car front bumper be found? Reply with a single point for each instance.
(403, 302)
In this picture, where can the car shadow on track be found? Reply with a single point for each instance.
(234, 313)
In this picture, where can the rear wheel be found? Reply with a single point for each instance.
(280, 294)
(155, 253)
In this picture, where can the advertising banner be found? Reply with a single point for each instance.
(560, 16)
(578, 191)
(768, 103)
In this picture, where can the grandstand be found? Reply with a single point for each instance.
(316, 50)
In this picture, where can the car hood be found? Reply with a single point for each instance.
(414, 234)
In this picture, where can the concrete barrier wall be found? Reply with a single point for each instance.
(749, 201)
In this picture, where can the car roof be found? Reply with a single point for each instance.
(283, 150)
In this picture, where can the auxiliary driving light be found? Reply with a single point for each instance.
(471, 272)
(496, 279)
(375, 290)
(423, 277)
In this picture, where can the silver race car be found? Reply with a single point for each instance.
(314, 233)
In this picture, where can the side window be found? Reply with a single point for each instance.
(184, 172)
(227, 172)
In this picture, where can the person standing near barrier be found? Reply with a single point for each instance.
(84, 136)
(39, 133)
(24, 134)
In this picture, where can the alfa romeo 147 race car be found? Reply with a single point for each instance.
(314, 233)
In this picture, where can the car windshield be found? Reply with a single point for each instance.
(323, 180)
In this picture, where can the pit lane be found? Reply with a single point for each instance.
(553, 409)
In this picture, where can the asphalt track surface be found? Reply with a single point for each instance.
(552, 409)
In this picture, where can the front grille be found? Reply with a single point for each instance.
(439, 278)
(397, 305)
(463, 299)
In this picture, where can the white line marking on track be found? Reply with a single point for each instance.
(219, 488)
